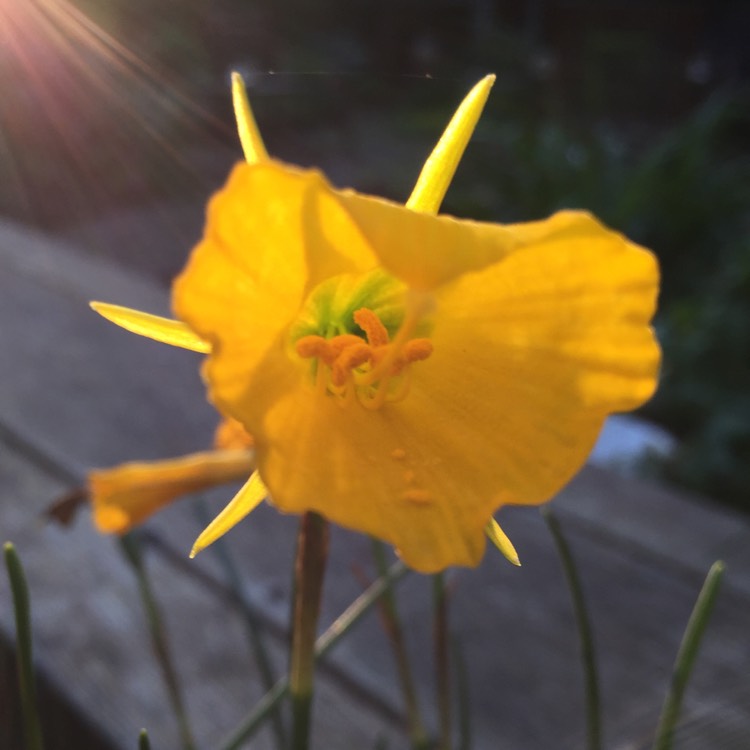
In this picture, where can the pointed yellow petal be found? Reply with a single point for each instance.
(246, 500)
(441, 165)
(498, 537)
(252, 143)
(124, 496)
(165, 330)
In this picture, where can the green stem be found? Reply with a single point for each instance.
(252, 624)
(312, 553)
(143, 741)
(686, 655)
(131, 549)
(464, 701)
(338, 629)
(27, 687)
(442, 665)
(585, 633)
(392, 623)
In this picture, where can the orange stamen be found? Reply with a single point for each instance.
(414, 350)
(402, 391)
(417, 350)
(310, 347)
(413, 313)
(379, 353)
(370, 323)
(341, 358)
(337, 344)
(353, 356)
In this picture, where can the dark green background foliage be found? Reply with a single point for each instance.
(637, 111)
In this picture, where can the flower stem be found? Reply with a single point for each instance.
(22, 609)
(337, 630)
(312, 553)
(442, 666)
(585, 633)
(131, 548)
(691, 641)
(392, 624)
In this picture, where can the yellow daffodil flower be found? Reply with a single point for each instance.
(124, 496)
(406, 374)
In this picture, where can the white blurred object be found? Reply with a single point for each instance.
(626, 441)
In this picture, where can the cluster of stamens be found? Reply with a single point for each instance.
(375, 370)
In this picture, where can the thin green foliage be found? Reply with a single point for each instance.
(585, 633)
(392, 624)
(688, 651)
(143, 741)
(337, 630)
(131, 549)
(26, 683)
(464, 699)
(442, 661)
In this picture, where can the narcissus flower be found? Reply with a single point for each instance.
(406, 374)
(124, 496)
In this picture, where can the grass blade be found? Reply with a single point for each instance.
(442, 661)
(585, 633)
(686, 655)
(337, 630)
(143, 741)
(392, 625)
(132, 552)
(27, 687)
(464, 699)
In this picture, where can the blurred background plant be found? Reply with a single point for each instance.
(637, 111)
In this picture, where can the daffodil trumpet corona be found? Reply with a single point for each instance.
(406, 374)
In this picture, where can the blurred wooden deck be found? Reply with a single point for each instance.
(75, 392)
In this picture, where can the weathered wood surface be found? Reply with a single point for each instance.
(76, 392)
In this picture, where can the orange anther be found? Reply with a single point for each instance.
(337, 344)
(370, 323)
(379, 353)
(353, 356)
(416, 350)
(309, 347)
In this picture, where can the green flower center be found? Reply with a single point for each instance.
(360, 335)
